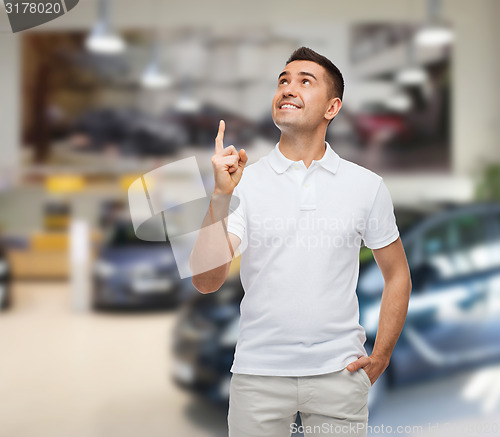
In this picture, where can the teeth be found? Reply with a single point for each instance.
(289, 106)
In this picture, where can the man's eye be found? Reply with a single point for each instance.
(282, 81)
(305, 80)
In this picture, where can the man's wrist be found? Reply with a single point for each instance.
(218, 192)
(380, 356)
(219, 206)
(224, 198)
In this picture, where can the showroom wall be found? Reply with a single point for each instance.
(476, 115)
(10, 76)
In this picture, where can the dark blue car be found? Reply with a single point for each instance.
(453, 318)
(136, 274)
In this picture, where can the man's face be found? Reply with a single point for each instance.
(302, 97)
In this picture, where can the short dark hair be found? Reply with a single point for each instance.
(336, 87)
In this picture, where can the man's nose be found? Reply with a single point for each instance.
(289, 91)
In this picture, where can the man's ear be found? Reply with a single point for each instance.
(334, 108)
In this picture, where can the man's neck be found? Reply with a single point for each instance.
(306, 147)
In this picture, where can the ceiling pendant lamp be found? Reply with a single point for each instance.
(414, 73)
(153, 77)
(102, 40)
(435, 33)
(187, 103)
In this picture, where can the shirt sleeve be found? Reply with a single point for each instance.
(236, 221)
(381, 228)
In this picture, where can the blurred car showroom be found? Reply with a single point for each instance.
(101, 332)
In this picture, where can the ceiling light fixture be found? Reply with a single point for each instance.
(435, 33)
(102, 39)
(411, 76)
(153, 77)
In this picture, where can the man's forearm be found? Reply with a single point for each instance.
(393, 310)
(211, 255)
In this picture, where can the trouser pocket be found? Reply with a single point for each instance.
(365, 376)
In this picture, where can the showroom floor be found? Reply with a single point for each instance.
(70, 374)
(64, 373)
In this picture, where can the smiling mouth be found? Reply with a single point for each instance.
(288, 106)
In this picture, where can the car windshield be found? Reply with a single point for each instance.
(406, 218)
(123, 234)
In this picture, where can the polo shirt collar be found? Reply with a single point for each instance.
(280, 163)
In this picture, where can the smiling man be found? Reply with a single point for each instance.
(300, 215)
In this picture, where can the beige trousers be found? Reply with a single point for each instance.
(330, 404)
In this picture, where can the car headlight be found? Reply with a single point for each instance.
(230, 335)
(3, 268)
(104, 269)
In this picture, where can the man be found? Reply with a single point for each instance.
(300, 214)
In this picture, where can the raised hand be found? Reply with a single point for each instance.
(228, 164)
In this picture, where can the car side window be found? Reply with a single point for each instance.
(409, 248)
(496, 226)
(470, 243)
(435, 242)
(458, 246)
(493, 239)
(436, 253)
(468, 231)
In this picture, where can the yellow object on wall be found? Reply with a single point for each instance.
(64, 183)
(49, 241)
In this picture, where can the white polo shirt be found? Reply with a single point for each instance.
(301, 231)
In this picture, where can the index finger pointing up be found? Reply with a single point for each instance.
(219, 140)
